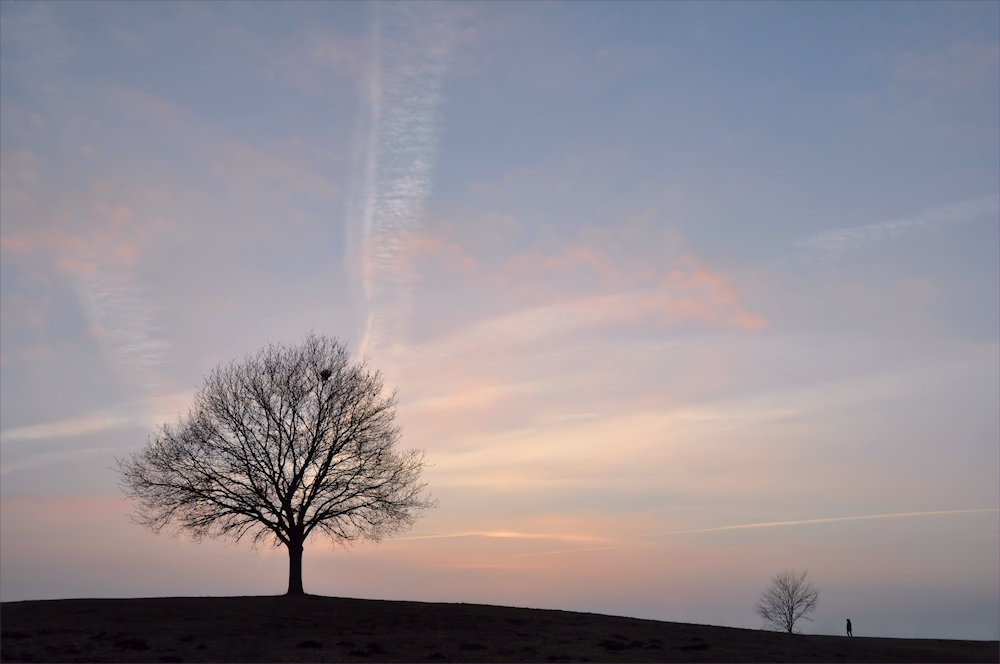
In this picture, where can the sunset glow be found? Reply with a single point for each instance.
(675, 295)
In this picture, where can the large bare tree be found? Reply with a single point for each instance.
(284, 444)
(787, 600)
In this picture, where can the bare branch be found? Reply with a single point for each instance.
(787, 600)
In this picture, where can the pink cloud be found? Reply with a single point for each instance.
(110, 238)
(426, 249)
(691, 291)
(603, 274)
(16, 244)
(120, 215)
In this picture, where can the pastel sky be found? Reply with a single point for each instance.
(676, 295)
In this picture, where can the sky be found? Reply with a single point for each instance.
(676, 296)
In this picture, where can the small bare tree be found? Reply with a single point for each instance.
(787, 600)
(292, 441)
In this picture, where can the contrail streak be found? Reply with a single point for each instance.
(773, 524)
(397, 139)
(37, 48)
(125, 318)
(832, 243)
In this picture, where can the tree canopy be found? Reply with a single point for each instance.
(787, 600)
(281, 445)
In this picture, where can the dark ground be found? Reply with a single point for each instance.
(330, 629)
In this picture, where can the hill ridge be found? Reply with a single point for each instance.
(314, 628)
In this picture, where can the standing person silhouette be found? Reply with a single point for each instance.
(849, 632)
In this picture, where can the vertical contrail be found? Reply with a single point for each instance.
(124, 320)
(36, 48)
(396, 142)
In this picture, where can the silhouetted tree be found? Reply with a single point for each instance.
(292, 441)
(787, 600)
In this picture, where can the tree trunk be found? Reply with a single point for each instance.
(295, 568)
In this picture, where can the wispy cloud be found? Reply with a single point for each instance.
(397, 139)
(552, 320)
(77, 426)
(122, 320)
(46, 458)
(143, 413)
(619, 278)
(97, 236)
(561, 551)
(831, 245)
(502, 534)
(802, 522)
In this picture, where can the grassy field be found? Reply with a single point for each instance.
(330, 629)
